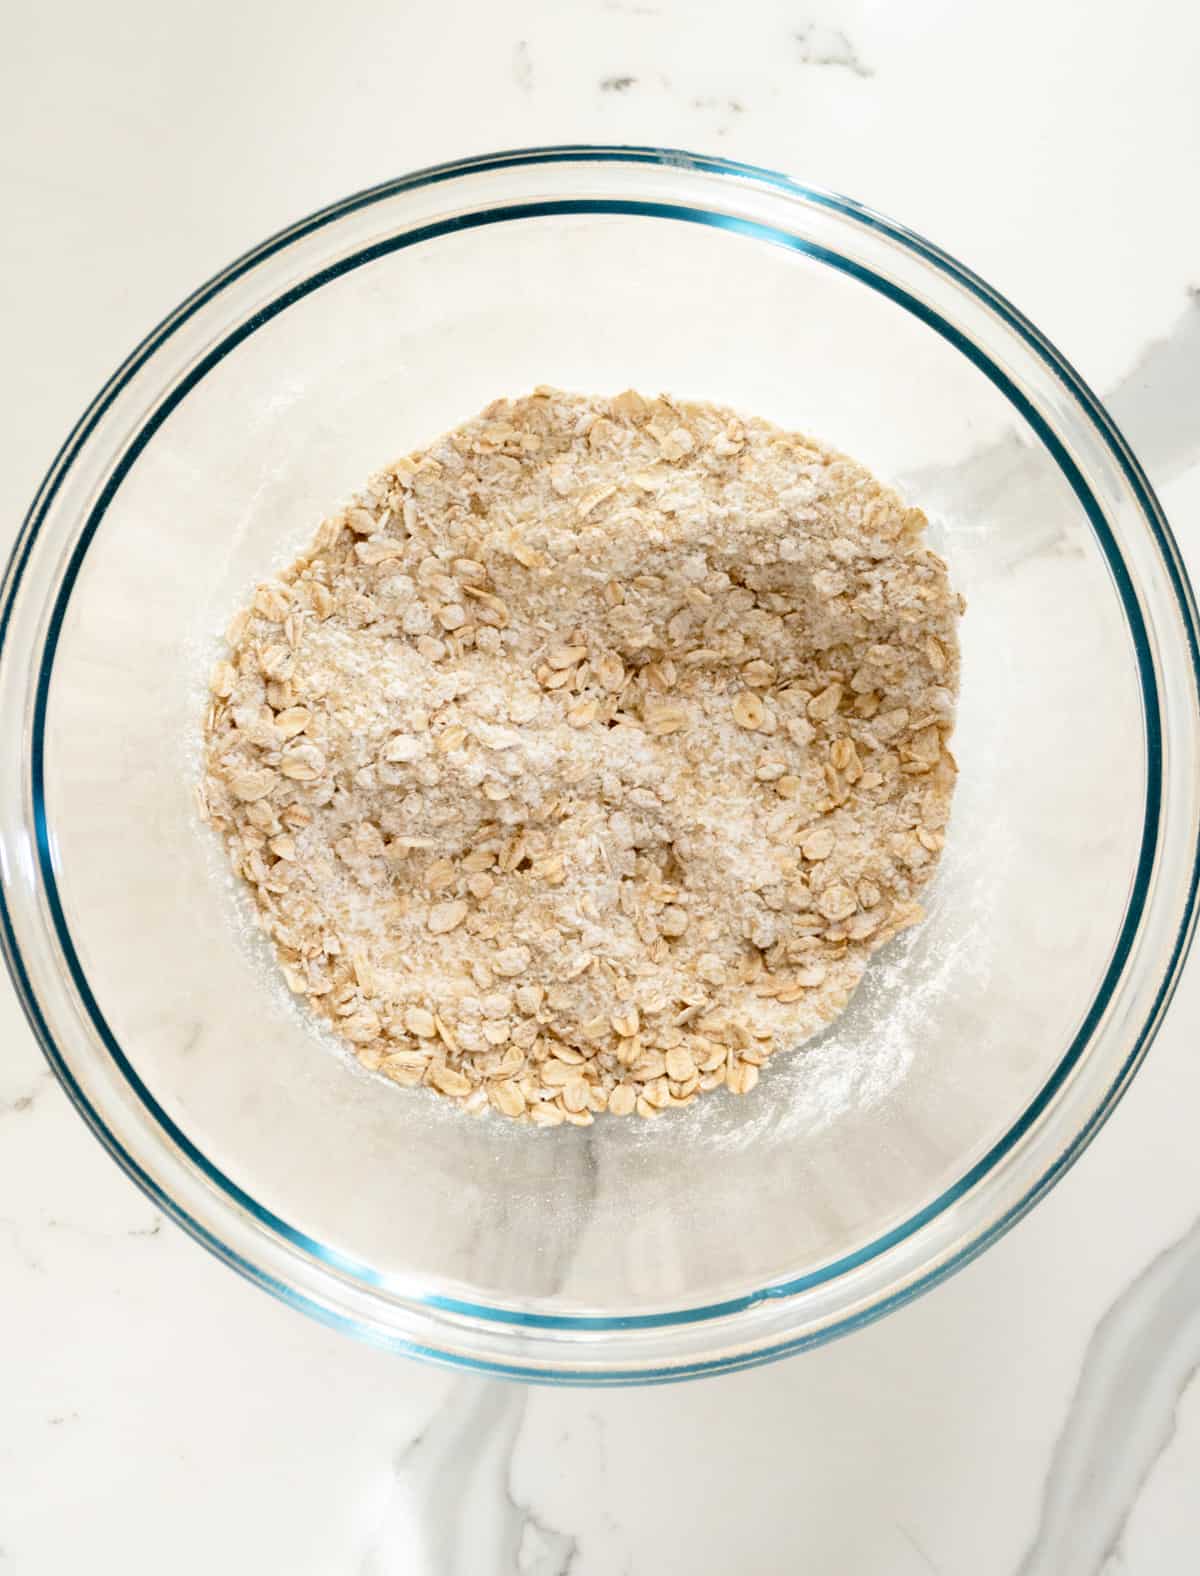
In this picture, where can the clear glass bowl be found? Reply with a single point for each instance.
(983, 1050)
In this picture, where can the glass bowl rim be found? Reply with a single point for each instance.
(1151, 514)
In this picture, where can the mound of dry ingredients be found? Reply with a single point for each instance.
(584, 759)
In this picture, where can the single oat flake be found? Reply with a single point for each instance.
(581, 763)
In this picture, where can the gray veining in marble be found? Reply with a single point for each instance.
(821, 45)
(1143, 1355)
(19, 1104)
(1157, 402)
(459, 1469)
(522, 66)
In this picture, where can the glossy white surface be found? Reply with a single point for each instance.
(1034, 1415)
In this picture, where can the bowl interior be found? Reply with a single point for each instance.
(957, 1025)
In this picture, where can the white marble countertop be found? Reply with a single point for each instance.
(1034, 1415)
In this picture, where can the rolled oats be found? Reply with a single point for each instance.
(585, 758)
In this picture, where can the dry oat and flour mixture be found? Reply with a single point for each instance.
(583, 760)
